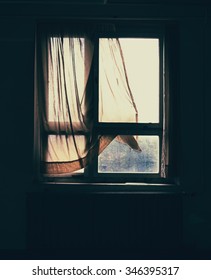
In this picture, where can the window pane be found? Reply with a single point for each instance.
(129, 80)
(61, 148)
(66, 78)
(118, 157)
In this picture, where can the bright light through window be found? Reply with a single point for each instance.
(141, 58)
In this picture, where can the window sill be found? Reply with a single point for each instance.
(112, 188)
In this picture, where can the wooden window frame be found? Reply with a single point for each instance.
(90, 175)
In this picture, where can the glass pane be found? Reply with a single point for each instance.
(129, 80)
(63, 149)
(118, 157)
(66, 77)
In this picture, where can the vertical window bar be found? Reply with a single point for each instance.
(94, 167)
(163, 100)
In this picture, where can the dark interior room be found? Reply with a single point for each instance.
(117, 217)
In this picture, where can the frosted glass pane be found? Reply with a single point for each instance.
(120, 158)
(141, 57)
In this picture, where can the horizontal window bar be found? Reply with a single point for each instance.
(128, 131)
(131, 125)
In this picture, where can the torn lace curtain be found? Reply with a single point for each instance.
(65, 101)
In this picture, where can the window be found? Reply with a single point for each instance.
(101, 103)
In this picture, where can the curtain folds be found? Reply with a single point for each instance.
(114, 85)
(65, 100)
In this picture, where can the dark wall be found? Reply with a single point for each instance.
(98, 226)
(38, 222)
